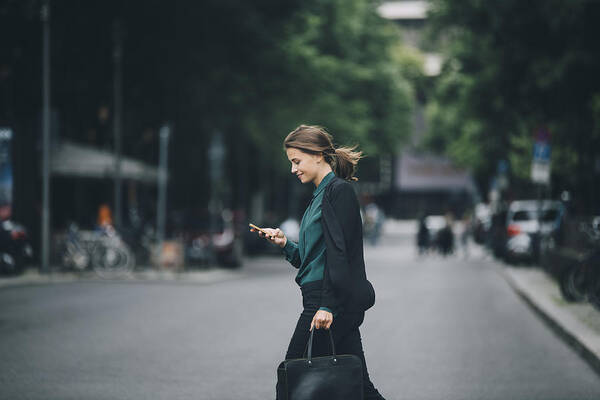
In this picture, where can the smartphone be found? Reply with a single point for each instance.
(257, 228)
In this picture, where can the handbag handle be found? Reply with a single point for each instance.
(310, 345)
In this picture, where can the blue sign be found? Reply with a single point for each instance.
(502, 167)
(541, 152)
(6, 173)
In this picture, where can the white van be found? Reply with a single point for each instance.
(525, 225)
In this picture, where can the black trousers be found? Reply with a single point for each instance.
(344, 329)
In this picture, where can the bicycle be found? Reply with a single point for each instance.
(102, 251)
(582, 281)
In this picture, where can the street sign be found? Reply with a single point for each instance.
(540, 166)
(6, 173)
(540, 173)
(541, 152)
(216, 157)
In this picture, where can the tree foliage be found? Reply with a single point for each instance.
(335, 69)
(255, 70)
(252, 70)
(511, 67)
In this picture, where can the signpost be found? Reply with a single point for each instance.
(540, 174)
(45, 256)
(117, 119)
(216, 160)
(161, 212)
(6, 173)
(540, 166)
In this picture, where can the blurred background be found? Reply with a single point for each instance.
(139, 138)
(164, 121)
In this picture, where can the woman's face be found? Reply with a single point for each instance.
(304, 165)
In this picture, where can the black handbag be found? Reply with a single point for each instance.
(335, 377)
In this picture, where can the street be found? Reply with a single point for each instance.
(440, 329)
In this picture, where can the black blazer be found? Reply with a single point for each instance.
(345, 284)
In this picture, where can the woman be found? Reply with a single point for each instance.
(329, 253)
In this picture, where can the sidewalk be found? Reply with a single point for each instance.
(205, 276)
(577, 323)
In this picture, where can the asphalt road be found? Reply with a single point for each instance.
(441, 329)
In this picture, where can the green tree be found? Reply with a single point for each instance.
(512, 66)
(337, 71)
(252, 70)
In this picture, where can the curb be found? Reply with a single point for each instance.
(581, 342)
(34, 278)
(30, 278)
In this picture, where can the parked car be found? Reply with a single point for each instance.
(15, 249)
(525, 226)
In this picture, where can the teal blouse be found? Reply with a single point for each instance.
(311, 245)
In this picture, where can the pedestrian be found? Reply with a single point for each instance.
(423, 235)
(329, 253)
(374, 219)
(446, 236)
(465, 233)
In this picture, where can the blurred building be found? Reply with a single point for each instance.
(429, 184)
(411, 17)
(82, 179)
(81, 124)
(423, 183)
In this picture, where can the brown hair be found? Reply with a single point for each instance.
(316, 140)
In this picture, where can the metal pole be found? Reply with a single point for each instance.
(118, 106)
(539, 221)
(161, 212)
(45, 16)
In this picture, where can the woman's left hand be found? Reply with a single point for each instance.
(322, 319)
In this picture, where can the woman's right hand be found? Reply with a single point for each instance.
(275, 236)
